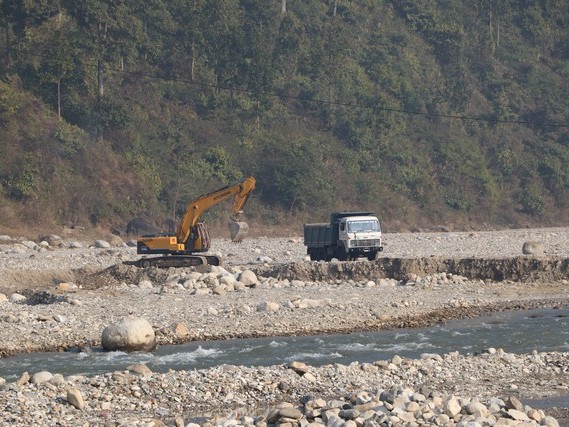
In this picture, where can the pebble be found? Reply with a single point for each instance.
(162, 396)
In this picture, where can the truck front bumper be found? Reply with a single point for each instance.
(365, 244)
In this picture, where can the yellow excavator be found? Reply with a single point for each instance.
(192, 237)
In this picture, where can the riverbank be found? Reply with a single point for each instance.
(71, 291)
(433, 390)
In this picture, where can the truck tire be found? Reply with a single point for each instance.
(372, 256)
(340, 254)
(313, 254)
(317, 254)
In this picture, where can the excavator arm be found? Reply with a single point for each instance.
(240, 191)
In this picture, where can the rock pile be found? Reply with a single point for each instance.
(405, 407)
(220, 280)
(523, 268)
(396, 392)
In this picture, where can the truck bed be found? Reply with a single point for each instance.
(317, 235)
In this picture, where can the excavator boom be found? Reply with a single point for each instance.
(195, 208)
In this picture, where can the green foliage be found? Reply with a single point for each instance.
(532, 201)
(147, 169)
(506, 162)
(72, 139)
(457, 200)
(10, 99)
(296, 172)
(553, 170)
(24, 181)
(219, 163)
(133, 107)
(112, 113)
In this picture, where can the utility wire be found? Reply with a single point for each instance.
(339, 103)
(319, 101)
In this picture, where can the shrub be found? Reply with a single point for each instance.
(532, 201)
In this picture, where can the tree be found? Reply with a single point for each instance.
(288, 51)
(295, 175)
(50, 46)
(493, 12)
(258, 46)
(223, 47)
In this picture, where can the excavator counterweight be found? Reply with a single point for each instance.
(192, 237)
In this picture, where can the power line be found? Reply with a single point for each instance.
(342, 104)
(321, 101)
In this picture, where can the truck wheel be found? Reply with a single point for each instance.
(341, 255)
(372, 256)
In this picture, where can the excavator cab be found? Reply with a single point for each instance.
(198, 240)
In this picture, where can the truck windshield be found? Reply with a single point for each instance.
(360, 226)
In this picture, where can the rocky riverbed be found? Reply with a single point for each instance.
(59, 293)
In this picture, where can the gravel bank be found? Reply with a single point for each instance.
(72, 291)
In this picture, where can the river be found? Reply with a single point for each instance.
(515, 332)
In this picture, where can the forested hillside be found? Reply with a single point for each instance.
(428, 112)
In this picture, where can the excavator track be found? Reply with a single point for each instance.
(178, 261)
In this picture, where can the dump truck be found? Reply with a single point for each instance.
(348, 236)
(187, 247)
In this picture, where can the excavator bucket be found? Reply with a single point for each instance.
(238, 230)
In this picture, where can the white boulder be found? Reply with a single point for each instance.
(248, 278)
(533, 248)
(129, 334)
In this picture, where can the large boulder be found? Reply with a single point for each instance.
(129, 334)
(248, 278)
(52, 239)
(533, 248)
(141, 227)
(102, 244)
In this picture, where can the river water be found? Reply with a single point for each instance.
(515, 332)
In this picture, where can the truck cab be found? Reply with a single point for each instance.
(360, 234)
(348, 236)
